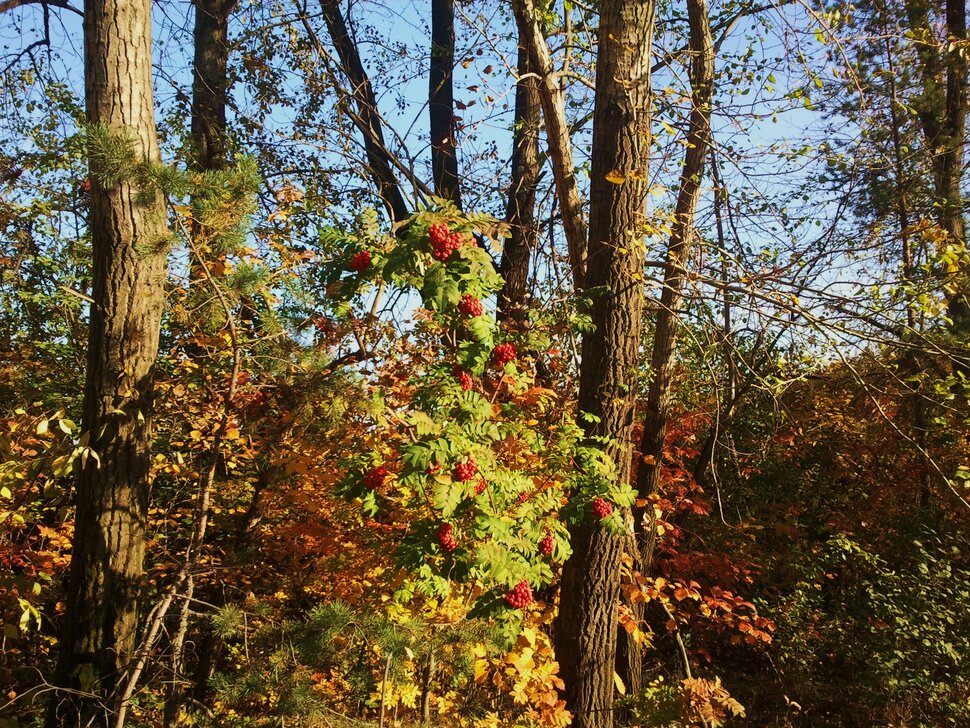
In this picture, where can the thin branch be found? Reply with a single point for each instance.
(63, 4)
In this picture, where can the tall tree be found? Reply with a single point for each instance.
(659, 393)
(441, 102)
(520, 210)
(129, 239)
(210, 83)
(558, 140)
(586, 627)
(366, 117)
(941, 106)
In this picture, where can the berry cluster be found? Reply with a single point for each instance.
(446, 538)
(467, 470)
(503, 354)
(602, 508)
(433, 469)
(523, 497)
(465, 380)
(361, 261)
(471, 306)
(443, 243)
(546, 545)
(375, 478)
(480, 487)
(519, 597)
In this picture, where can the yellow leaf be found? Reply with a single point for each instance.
(42, 427)
(615, 176)
(620, 687)
(480, 670)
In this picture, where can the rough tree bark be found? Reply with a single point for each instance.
(210, 83)
(441, 102)
(366, 118)
(557, 137)
(513, 301)
(129, 240)
(585, 634)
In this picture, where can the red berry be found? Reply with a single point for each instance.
(361, 261)
(85, 185)
(503, 354)
(523, 497)
(375, 478)
(520, 596)
(602, 508)
(443, 242)
(438, 234)
(465, 380)
(546, 545)
(446, 537)
(467, 470)
(480, 487)
(433, 469)
(470, 306)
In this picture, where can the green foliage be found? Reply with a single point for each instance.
(534, 470)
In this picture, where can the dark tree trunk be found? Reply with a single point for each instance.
(129, 242)
(586, 628)
(659, 393)
(942, 111)
(441, 102)
(513, 299)
(210, 83)
(366, 118)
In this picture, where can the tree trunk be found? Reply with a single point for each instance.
(557, 137)
(441, 102)
(586, 627)
(665, 333)
(942, 111)
(210, 83)
(129, 241)
(367, 119)
(513, 303)
(659, 393)
(909, 273)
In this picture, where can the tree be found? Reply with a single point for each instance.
(659, 393)
(210, 82)
(367, 119)
(520, 210)
(586, 627)
(129, 241)
(441, 102)
(942, 110)
(553, 102)
(210, 85)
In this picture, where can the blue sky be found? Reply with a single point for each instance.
(757, 122)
